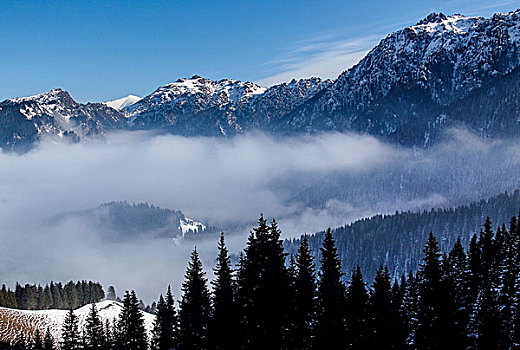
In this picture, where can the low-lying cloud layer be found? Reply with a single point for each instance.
(307, 183)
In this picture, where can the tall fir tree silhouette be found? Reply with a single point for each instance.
(384, 324)
(94, 333)
(303, 298)
(224, 321)
(330, 329)
(131, 333)
(356, 304)
(194, 310)
(70, 337)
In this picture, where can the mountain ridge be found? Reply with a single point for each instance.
(405, 90)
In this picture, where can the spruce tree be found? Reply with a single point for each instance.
(356, 312)
(263, 289)
(194, 308)
(485, 325)
(94, 333)
(70, 337)
(131, 333)
(457, 277)
(330, 329)
(384, 323)
(20, 343)
(48, 340)
(37, 341)
(303, 298)
(164, 333)
(223, 322)
(435, 318)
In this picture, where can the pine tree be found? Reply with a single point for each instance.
(224, 319)
(70, 337)
(330, 329)
(263, 289)
(48, 341)
(303, 298)
(356, 312)
(194, 307)
(384, 323)
(457, 276)
(435, 321)
(131, 333)
(485, 325)
(94, 333)
(110, 340)
(20, 342)
(164, 333)
(37, 342)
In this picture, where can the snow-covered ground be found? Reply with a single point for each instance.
(14, 320)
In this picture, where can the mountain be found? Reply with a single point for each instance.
(397, 240)
(12, 321)
(443, 72)
(421, 79)
(123, 221)
(123, 102)
(24, 120)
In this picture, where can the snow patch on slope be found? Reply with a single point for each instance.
(123, 102)
(188, 225)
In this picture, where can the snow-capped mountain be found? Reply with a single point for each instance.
(123, 102)
(406, 86)
(199, 106)
(24, 120)
(12, 321)
(443, 71)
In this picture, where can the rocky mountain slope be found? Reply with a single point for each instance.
(421, 79)
(24, 120)
(444, 71)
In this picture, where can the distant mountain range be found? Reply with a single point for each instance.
(418, 81)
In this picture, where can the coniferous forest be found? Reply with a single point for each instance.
(52, 296)
(464, 298)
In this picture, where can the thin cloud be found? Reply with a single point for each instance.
(323, 57)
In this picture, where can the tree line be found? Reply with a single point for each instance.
(52, 296)
(461, 299)
(396, 240)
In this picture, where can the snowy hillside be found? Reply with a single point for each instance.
(12, 321)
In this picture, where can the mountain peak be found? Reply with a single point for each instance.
(433, 17)
(121, 103)
(51, 96)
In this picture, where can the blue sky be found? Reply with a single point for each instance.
(101, 50)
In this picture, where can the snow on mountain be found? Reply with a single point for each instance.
(12, 321)
(188, 225)
(405, 89)
(404, 85)
(56, 103)
(448, 56)
(197, 94)
(123, 102)
(24, 120)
